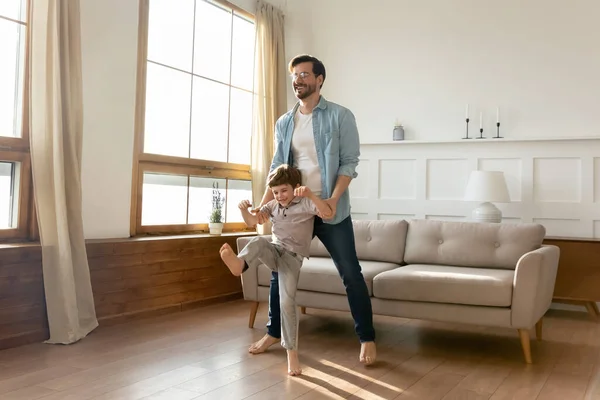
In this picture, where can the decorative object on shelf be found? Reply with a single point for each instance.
(497, 124)
(487, 187)
(481, 127)
(467, 119)
(215, 223)
(398, 131)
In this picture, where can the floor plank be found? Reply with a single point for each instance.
(202, 354)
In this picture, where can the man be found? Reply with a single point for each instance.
(320, 138)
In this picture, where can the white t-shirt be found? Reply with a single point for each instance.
(305, 152)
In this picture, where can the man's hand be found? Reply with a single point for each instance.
(261, 217)
(328, 214)
(303, 191)
(332, 203)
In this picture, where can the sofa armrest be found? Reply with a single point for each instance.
(533, 286)
(250, 277)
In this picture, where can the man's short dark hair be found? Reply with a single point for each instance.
(283, 175)
(318, 67)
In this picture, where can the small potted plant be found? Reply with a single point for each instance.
(215, 223)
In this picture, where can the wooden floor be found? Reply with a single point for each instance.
(202, 354)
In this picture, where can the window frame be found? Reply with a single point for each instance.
(17, 149)
(149, 162)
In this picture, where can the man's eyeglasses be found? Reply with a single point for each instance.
(301, 75)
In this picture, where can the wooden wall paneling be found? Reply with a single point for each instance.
(22, 301)
(131, 278)
(578, 277)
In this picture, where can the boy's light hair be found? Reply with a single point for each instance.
(283, 175)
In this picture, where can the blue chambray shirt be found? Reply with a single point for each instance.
(337, 144)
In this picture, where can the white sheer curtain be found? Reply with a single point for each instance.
(56, 120)
(270, 99)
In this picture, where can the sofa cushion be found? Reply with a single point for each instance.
(446, 284)
(470, 244)
(319, 274)
(377, 240)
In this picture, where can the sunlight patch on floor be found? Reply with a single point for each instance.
(362, 376)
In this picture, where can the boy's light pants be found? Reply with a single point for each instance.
(287, 265)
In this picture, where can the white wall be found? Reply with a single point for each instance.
(422, 61)
(109, 50)
(418, 61)
(109, 46)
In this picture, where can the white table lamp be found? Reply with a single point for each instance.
(487, 187)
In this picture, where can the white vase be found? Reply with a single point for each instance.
(215, 228)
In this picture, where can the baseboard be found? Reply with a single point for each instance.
(213, 300)
(569, 307)
(24, 338)
(173, 308)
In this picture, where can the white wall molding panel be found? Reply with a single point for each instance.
(553, 182)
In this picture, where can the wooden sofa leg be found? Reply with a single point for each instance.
(303, 310)
(538, 330)
(524, 335)
(253, 310)
(592, 309)
(595, 307)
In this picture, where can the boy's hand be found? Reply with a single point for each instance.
(244, 205)
(302, 191)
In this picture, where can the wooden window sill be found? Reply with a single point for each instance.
(153, 237)
(25, 245)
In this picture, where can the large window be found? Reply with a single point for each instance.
(15, 166)
(194, 114)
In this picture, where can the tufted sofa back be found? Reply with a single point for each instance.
(470, 244)
(375, 241)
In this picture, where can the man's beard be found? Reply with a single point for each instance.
(307, 90)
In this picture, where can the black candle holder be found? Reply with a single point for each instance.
(481, 134)
(467, 136)
(498, 131)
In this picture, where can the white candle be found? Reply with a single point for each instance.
(467, 111)
(498, 114)
(480, 120)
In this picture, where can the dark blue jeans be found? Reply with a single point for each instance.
(339, 241)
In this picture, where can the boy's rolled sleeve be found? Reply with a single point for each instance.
(349, 145)
(268, 208)
(309, 206)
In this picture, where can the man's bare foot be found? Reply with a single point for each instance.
(293, 363)
(263, 344)
(235, 264)
(368, 353)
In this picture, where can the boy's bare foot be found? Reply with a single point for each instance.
(368, 353)
(263, 344)
(235, 264)
(293, 363)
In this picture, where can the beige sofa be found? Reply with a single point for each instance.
(461, 272)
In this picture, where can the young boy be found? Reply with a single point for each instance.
(292, 213)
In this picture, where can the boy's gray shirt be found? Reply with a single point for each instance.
(292, 225)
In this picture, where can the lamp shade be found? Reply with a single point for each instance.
(487, 186)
